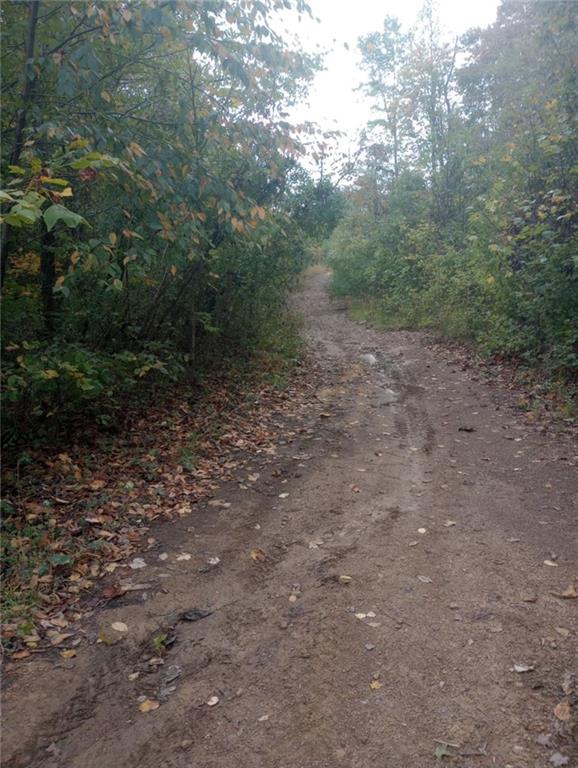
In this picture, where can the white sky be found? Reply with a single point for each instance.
(332, 102)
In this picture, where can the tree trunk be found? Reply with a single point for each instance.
(47, 278)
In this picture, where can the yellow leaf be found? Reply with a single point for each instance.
(50, 374)
(136, 149)
(57, 637)
(149, 705)
(74, 257)
(105, 96)
(375, 685)
(66, 192)
(112, 238)
(173, 270)
(70, 654)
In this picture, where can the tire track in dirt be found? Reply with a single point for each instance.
(312, 672)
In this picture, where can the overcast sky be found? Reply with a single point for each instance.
(332, 102)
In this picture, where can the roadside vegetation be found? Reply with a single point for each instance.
(154, 215)
(462, 216)
(154, 218)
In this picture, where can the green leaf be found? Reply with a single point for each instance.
(57, 182)
(60, 560)
(58, 213)
(442, 751)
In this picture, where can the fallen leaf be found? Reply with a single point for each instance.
(263, 719)
(570, 593)
(68, 654)
(345, 579)
(360, 616)
(521, 668)
(375, 685)
(292, 598)
(213, 701)
(149, 705)
(19, 655)
(449, 523)
(195, 614)
(258, 556)
(551, 563)
(113, 590)
(441, 751)
(557, 759)
(214, 560)
(97, 485)
(422, 530)
(119, 626)
(104, 638)
(163, 556)
(134, 676)
(56, 637)
(425, 579)
(283, 495)
(568, 683)
(137, 563)
(184, 556)
(563, 711)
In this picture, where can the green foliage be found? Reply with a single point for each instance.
(48, 382)
(148, 228)
(478, 236)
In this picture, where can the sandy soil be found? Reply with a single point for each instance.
(377, 583)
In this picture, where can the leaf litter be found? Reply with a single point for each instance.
(113, 509)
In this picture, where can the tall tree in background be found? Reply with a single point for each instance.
(385, 57)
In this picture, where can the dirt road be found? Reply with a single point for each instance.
(381, 576)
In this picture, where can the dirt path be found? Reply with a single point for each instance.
(443, 533)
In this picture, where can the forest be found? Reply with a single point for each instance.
(159, 206)
(154, 214)
(462, 217)
(289, 383)
(156, 209)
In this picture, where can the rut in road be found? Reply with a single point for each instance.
(375, 588)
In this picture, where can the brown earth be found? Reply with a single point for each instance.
(454, 523)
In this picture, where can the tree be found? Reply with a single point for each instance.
(145, 149)
(385, 57)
